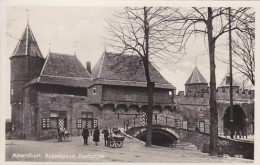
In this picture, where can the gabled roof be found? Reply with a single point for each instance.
(63, 69)
(196, 78)
(27, 45)
(226, 81)
(126, 70)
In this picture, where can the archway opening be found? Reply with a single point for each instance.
(160, 138)
(239, 119)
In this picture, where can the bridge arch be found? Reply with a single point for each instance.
(160, 136)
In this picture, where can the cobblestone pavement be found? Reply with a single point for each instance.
(132, 151)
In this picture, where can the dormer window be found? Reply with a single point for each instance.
(94, 91)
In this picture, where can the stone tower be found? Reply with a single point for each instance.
(26, 64)
(196, 83)
(224, 86)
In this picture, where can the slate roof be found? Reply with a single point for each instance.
(27, 45)
(196, 78)
(226, 81)
(63, 69)
(125, 70)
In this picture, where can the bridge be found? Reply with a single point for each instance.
(165, 135)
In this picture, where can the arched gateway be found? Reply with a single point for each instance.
(239, 119)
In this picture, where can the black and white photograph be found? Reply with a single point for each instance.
(128, 82)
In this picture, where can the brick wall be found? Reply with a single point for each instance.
(36, 110)
(95, 93)
(30, 110)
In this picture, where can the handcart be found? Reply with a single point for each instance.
(65, 135)
(115, 141)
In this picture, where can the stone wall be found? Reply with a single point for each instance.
(195, 113)
(224, 146)
(193, 88)
(201, 141)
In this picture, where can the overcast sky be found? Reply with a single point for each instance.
(63, 26)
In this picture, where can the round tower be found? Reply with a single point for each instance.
(26, 64)
(196, 83)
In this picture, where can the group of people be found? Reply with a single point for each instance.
(85, 135)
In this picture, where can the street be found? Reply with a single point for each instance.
(133, 150)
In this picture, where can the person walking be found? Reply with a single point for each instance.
(85, 135)
(106, 134)
(96, 135)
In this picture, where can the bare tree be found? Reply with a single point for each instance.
(244, 50)
(243, 82)
(243, 46)
(147, 33)
(211, 23)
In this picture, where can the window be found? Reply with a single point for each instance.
(12, 91)
(95, 123)
(94, 91)
(54, 114)
(170, 93)
(58, 119)
(45, 123)
(79, 123)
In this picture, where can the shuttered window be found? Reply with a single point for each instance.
(45, 123)
(79, 123)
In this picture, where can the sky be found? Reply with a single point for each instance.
(58, 29)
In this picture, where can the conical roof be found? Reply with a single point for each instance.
(27, 45)
(196, 78)
(226, 81)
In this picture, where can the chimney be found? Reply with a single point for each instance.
(88, 67)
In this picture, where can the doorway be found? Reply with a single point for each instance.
(239, 120)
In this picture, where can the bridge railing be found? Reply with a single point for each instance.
(164, 120)
(141, 120)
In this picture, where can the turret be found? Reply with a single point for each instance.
(196, 84)
(26, 64)
(224, 86)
